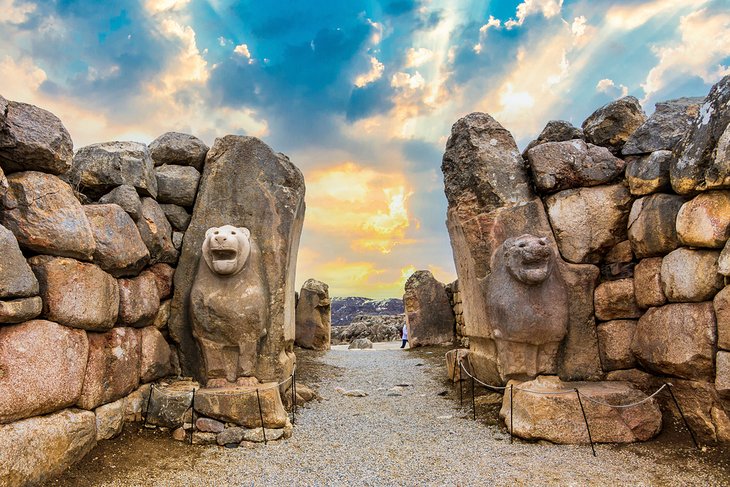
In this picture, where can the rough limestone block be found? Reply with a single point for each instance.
(110, 419)
(180, 149)
(138, 300)
(155, 355)
(164, 275)
(614, 340)
(704, 221)
(721, 305)
(648, 283)
(126, 197)
(16, 278)
(722, 374)
(120, 250)
(177, 185)
(649, 174)
(652, 229)
(239, 405)
(313, 316)
(612, 124)
(615, 300)
(156, 233)
(665, 127)
(690, 275)
(170, 405)
(429, 315)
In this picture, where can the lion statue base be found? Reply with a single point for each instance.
(229, 306)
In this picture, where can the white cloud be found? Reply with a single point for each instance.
(408, 81)
(578, 27)
(189, 65)
(491, 23)
(374, 74)
(222, 41)
(548, 8)
(418, 57)
(610, 88)
(242, 50)
(15, 11)
(631, 16)
(705, 43)
(157, 6)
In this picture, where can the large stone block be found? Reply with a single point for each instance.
(614, 339)
(558, 417)
(156, 233)
(721, 305)
(16, 278)
(555, 131)
(139, 300)
(180, 149)
(45, 216)
(723, 262)
(566, 165)
(99, 168)
(239, 405)
(42, 368)
(690, 275)
(33, 139)
(615, 300)
(313, 316)
(20, 310)
(154, 355)
(589, 221)
(648, 283)
(177, 185)
(36, 450)
(178, 216)
(110, 419)
(170, 405)
(701, 159)
(76, 294)
(246, 184)
(612, 124)
(702, 408)
(665, 127)
(649, 174)
(429, 315)
(722, 374)
(120, 250)
(126, 197)
(704, 221)
(113, 369)
(164, 275)
(677, 339)
(652, 225)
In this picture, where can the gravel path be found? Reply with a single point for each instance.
(412, 436)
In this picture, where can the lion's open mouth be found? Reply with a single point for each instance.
(222, 255)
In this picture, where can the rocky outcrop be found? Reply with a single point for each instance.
(42, 368)
(33, 139)
(45, 216)
(180, 149)
(377, 328)
(558, 417)
(348, 310)
(99, 168)
(612, 124)
(120, 250)
(313, 316)
(664, 128)
(274, 212)
(429, 315)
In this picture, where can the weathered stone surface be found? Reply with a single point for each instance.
(652, 229)
(677, 339)
(98, 168)
(20, 310)
(45, 217)
(612, 124)
(723, 262)
(230, 435)
(3, 184)
(360, 344)
(690, 275)
(272, 208)
(558, 417)
(112, 371)
(16, 278)
(722, 375)
(33, 139)
(642, 380)
(620, 253)
(164, 275)
(648, 283)
(454, 361)
(154, 355)
(649, 174)
(178, 216)
(37, 449)
(239, 405)
(614, 339)
(704, 221)
(665, 127)
(135, 404)
(429, 315)
(201, 438)
(209, 425)
(126, 197)
(170, 405)
(255, 435)
(120, 250)
(41, 368)
(76, 294)
(163, 315)
(177, 184)
(721, 305)
(589, 221)
(566, 165)
(177, 240)
(702, 407)
(615, 300)
(701, 159)
(180, 149)
(138, 300)
(555, 131)
(156, 233)
(313, 316)
(110, 419)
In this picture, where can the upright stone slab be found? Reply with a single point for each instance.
(429, 315)
(120, 250)
(16, 278)
(246, 184)
(314, 316)
(665, 127)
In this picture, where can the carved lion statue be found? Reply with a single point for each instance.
(229, 306)
(528, 306)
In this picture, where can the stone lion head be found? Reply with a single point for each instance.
(528, 258)
(226, 249)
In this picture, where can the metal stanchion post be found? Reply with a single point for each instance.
(149, 398)
(686, 423)
(261, 415)
(511, 415)
(461, 387)
(293, 399)
(192, 417)
(473, 403)
(586, 421)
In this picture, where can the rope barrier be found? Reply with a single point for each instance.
(625, 405)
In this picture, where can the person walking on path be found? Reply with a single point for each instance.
(404, 336)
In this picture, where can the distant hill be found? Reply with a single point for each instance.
(345, 310)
